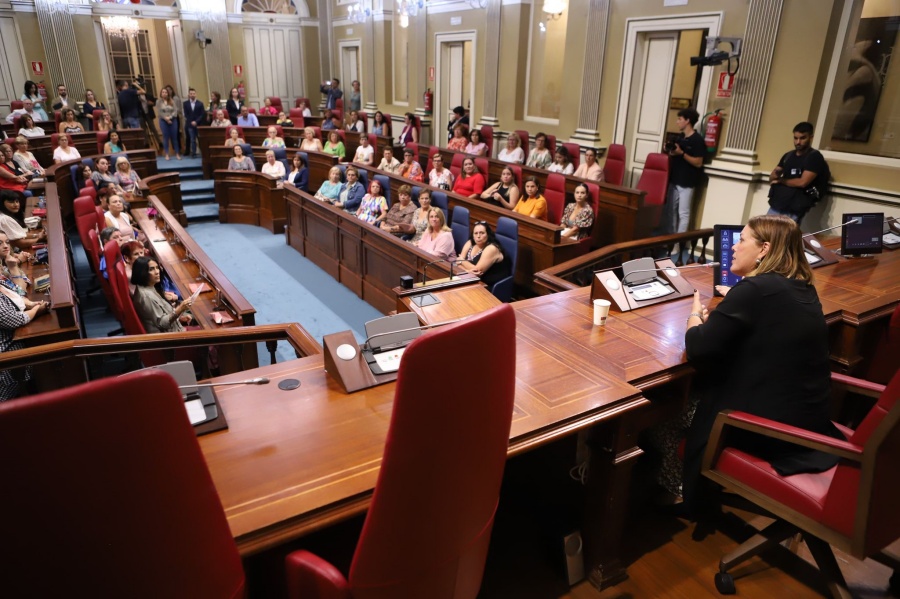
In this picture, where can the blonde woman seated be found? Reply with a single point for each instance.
(64, 151)
(513, 152)
(335, 146)
(505, 192)
(561, 163)
(330, 190)
(437, 238)
(310, 142)
(388, 162)
(126, 178)
(272, 140)
(365, 153)
(578, 217)
(25, 159)
(420, 217)
(458, 142)
(103, 121)
(273, 167)
(239, 162)
(234, 138)
(373, 208)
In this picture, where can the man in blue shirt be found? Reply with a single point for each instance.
(246, 119)
(333, 90)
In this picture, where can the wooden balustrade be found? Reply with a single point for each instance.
(250, 198)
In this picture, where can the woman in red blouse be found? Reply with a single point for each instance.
(470, 182)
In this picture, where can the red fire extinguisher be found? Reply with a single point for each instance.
(713, 128)
(242, 93)
(428, 100)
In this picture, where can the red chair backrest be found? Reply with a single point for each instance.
(517, 175)
(130, 320)
(305, 100)
(102, 138)
(594, 190)
(364, 117)
(114, 499)
(317, 132)
(113, 256)
(16, 105)
(614, 168)
(93, 249)
(101, 218)
(655, 179)
(296, 116)
(487, 136)
(279, 129)
(551, 143)
(574, 153)
(526, 141)
(276, 103)
(252, 110)
(86, 220)
(456, 164)
(339, 104)
(89, 190)
(555, 194)
(483, 166)
(240, 131)
(421, 538)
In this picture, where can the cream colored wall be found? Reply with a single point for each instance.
(196, 60)
(313, 69)
(89, 56)
(238, 56)
(30, 34)
(472, 20)
(166, 63)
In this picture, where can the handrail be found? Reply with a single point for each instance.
(297, 336)
(577, 272)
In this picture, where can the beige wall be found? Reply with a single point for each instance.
(30, 34)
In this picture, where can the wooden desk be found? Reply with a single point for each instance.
(250, 198)
(167, 189)
(457, 301)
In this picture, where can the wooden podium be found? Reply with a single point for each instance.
(606, 285)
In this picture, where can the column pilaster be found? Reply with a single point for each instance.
(592, 74)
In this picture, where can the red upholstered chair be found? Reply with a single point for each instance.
(16, 105)
(487, 136)
(526, 141)
(317, 132)
(517, 174)
(555, 194)
(101, 218)
(239, 129)
(339, 104)
(252, 110)
(551, 143)
(886, 356)
(574, 151)
(614, 168)
(131, 512)
(304, 100)
(852, 506)
(86, 220)
(132, 324)
(57, 118)
(364, 117)
(456, 163)
(654, 180)
(276, 103)
(430, 538)
(102, 138)
(296, 116)
(483, 167)
(279, 129)
(113, 256)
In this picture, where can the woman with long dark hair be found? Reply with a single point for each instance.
(155, 312)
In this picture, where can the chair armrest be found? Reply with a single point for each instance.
(311, 577)
(775, 430)
(856, 385)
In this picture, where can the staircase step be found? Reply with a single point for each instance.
(199, 198)
(184, 164)
(201, 212)
(196, 185)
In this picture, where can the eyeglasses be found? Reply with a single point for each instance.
(481, 222)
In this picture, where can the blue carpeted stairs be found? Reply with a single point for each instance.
(197, 194)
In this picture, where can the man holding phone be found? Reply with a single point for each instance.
(333, 90)
(685, 169)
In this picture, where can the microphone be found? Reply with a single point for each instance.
(260, 380)
(425, 268)
(672, 271)
(854, 221)
(418, 328)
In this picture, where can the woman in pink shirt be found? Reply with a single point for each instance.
(437, 238)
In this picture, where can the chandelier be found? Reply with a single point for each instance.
(122, 27)
(409, 8)
(357, 13)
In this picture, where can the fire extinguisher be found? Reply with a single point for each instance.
(242, 93)
(42, 90)
(428, 100)
(713, 129)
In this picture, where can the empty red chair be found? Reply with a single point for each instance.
(456, 164)
(654, 180)
(487, 136)
(86, 220)
(526, 141)
(102, 138)
(113, 256)
(296, 116)
(114, 506)
(430, 539)
(555, 194)
(614, 168)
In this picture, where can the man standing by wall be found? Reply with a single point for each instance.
(129, 104)
(333, 90)
(685, 169)
(800, 179)
(194, 115)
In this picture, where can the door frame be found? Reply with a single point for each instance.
(345, 79)
(446, 38)
(711, 21)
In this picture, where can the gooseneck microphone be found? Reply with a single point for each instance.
(425, 268)
(854, 221)
(260, 380)
(672, 271)
(366, 345)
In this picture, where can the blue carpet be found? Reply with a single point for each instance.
(281, 284)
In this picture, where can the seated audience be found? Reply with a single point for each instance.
(64, 151)
(82, 176)
(34, 96)
(458, 142)
(68, 123)
(388, 162)
(283, 120)
(106, 235)
(103, 178)
(505, 192)
(11, 274)
(437, 238)
(117, 218)
(476, 147)
(578, 216)
(25, 159)
(247, 118)
(354, 124)
(306, 111)
(589, 169)
(310, 142)
(234, 138)
(381, 126)
(220, 120)
(409, 132)
(483, 256)
(373, 208)
(365, 153)
(103, 121)
(155, 312)
(299, 175)
(131, 251)
(470, 182)
(28, 128)
(27, 110)
(561, 163)
(330, 190)
(540, 156)
(114, 145)
(420, 216)
(534, 204)
(352, 192)
(127, 178)
(399, 218)
(439, 176)
(272, 167)
(268, 109)
(512, 152)
(410, 169)
(328, 121)
(12, 221)
(272, 140)
(239, 162)
(11, 176)
(335, 146)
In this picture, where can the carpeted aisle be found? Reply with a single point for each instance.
(281, 284)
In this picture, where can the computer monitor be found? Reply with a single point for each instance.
(864, 236)
(725, 237)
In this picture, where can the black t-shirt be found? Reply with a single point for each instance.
(794, 199)
(681, 172)
(129, 103)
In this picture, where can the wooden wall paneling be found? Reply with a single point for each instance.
(166, 187)
(352, 266)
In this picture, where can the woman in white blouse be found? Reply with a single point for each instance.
(64, 151)
(561, 162)
(512, 152)
(273, 167)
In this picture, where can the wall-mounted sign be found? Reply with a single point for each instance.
(726, 84)
(238, 70)
(37, 67)
(431, 73)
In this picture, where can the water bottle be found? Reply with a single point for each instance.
(42, 202)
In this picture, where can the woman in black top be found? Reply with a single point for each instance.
(482, 255)
(233, 106)
(503, 193)
(763, 350)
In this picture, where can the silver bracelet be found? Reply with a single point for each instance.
(692, 314)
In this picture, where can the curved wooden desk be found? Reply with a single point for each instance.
(250, 198)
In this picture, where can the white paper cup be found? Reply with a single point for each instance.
(601, 311)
